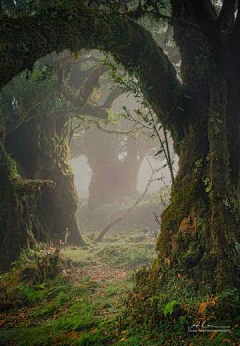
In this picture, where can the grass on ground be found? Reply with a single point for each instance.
(82, 305)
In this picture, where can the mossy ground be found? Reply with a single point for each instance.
(89, 304)
(81, 303)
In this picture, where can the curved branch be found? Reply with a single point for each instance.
(113, 131)
(79, 28)
(114, 94)
(91, 110)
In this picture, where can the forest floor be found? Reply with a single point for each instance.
(72, 309)
(82, 305)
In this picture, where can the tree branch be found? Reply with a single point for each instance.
(91, 110)
(226, 16)
(80, 98)
(78, 28)
(113, 131)
(114, 94)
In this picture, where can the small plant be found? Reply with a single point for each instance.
(32, 294)
(169, 307)
(208, 185)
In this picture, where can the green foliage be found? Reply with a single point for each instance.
(52, 298)
(208, 185)
(112, 291)
(169, 307)
(43, 74)
(169, 313)
(121, 256)
(24, 98)
(31, 294)
(31, 96)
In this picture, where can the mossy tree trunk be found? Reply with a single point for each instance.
(18, 222)
(200, 229)
(44, 154)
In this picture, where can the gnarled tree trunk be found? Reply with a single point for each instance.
(44, 154)
(18, 221)
(200, 229)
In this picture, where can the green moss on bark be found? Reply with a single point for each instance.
(17, 207)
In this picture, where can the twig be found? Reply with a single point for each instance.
(170, 166)
(157, 219)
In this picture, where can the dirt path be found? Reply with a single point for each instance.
(102, 272)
